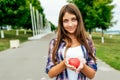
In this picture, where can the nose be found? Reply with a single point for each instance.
(70, 24)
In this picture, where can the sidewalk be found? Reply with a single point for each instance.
(29, 60)
(105, 72)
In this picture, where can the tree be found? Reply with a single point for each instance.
(53, 27)
(96, 13)
(37, 5)
(104, 14)
(17, 12)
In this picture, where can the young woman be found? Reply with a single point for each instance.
(71, 42)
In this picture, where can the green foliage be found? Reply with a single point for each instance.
(17, 12)
(104, 12)
(11, 10)
(96, 13)
(53, 28)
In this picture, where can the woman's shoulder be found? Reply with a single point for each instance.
(53, 40)
(90, 41)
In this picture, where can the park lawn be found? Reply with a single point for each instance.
(109, 51)
(11, 35)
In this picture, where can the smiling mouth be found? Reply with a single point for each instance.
(71, 29)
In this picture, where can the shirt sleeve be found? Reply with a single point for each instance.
(50, 63)
(90, 61)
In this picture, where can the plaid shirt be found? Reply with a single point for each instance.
(64, 75)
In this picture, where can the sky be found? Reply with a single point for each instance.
(52, 8)
(116, 15)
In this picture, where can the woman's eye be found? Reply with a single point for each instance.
(74, 19)
(65, 21)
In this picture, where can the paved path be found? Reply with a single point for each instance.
(28, 62)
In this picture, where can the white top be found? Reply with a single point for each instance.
(72, 53)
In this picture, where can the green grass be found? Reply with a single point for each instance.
(11, 35)
(109, 51)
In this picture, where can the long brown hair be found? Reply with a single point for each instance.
(80, 32)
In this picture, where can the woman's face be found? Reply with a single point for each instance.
(70, 23)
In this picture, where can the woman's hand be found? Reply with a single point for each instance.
(68, 65)
(75, 65)
(82, 63)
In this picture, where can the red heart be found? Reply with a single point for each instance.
(74, 62)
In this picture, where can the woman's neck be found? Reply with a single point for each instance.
(74, 41)
(72, 36)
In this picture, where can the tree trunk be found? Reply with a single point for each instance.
(102, 39)
(90, 33)
(17, 32)
(2, 34)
